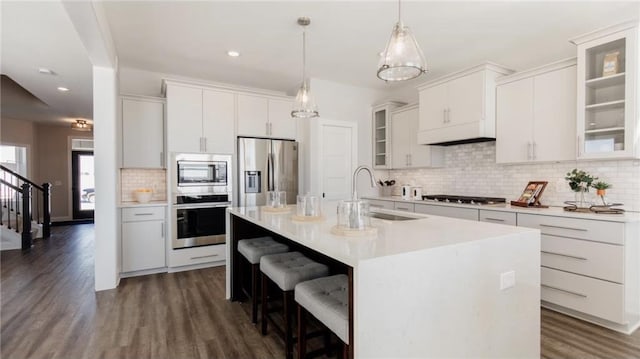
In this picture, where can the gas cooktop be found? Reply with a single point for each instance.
(464, 199)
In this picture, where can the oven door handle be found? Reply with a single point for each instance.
(201, 205)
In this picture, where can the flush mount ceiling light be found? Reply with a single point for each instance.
(46, 71)
(81, 125)
(402, 59)
(233, 53)
(63, 89)
(304, 106)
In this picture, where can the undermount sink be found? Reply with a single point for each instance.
(389, 217)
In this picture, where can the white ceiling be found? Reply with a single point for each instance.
(40, 34)
(191, 38)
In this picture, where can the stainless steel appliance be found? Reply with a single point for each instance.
(463, 199)
(201, 192)
(266, 165)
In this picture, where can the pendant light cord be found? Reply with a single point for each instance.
(399, 12)
(304, 54)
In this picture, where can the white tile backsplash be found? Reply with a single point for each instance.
(134, 178)
(471, 170)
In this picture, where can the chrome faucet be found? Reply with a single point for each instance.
(355, 177)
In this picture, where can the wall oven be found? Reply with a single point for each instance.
(202, 192)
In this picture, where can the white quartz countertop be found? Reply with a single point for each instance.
(138, 204)
(551, 211)
(392, 238)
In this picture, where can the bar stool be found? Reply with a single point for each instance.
(327, 299)
(252, 250)
(286, 270)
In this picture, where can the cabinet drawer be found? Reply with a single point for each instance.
(599, 260)
(454, 212)
(498, 217)
(197, 255)
(373, 203)
(600, 231)
(403, 206)
(591, 296)
(143, 214)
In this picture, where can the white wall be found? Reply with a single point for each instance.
(342, 102)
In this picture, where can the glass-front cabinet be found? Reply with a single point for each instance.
(381, 129)
(606, 98)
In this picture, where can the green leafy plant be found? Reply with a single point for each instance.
(601, 185)
(579, 180)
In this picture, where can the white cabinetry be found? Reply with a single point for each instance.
(459, 107)
(381, 129)
(498, 217)
(260, 116)
(142, 117)
(203, 256)
(143, 238)
(536, 115)
(199, 120)
(589, 269)
(405, 150)
(608, 120)
(447, 211)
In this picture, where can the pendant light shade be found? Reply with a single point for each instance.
(402, 59)
(304, 106)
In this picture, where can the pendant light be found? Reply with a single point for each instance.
(304, 106)
(402, 59)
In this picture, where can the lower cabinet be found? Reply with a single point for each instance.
(374, 203)
(197, 255)
(143, 238)
(498, 217)
(589, 268)
(446, 211)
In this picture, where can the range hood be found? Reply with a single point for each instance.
(464, 142)
(461, 107)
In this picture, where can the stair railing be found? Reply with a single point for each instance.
(23, 201)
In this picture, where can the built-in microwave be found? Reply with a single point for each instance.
(201, 173)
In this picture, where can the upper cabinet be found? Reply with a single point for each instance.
(260, 116)
(142, 132)
(405, 150)
(607, 114)
(460, 107)
(199, 120)
(536, 114)
(381, 129)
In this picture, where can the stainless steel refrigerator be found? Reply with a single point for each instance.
(266, 165)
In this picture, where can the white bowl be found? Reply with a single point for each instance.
(142, 197)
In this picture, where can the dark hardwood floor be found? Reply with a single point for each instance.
(49, 310)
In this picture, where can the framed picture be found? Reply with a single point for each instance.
(530, 197)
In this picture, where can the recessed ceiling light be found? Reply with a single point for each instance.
(45, 71)
(233, 53)
(63, 89)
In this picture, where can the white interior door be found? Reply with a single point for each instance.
(336, 158)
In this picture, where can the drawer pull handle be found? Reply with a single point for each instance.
(375, 205)
(494, 219)
(209, 256)
(565, 255)
(143, 214)
(402, 208)
(560, 227)
(564, 291)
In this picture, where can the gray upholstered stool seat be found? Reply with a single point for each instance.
(253, 249)
(327, 299)
(289, 269)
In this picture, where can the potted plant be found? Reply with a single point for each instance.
(601, 189)
(580, 181)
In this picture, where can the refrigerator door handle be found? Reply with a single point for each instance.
(271, 170)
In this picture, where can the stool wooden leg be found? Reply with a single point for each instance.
(288, 335)
(265, 290)
(254, 292)
(345, 351)
(327, 343)
(302, 332)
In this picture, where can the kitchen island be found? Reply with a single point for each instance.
(428, 287)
